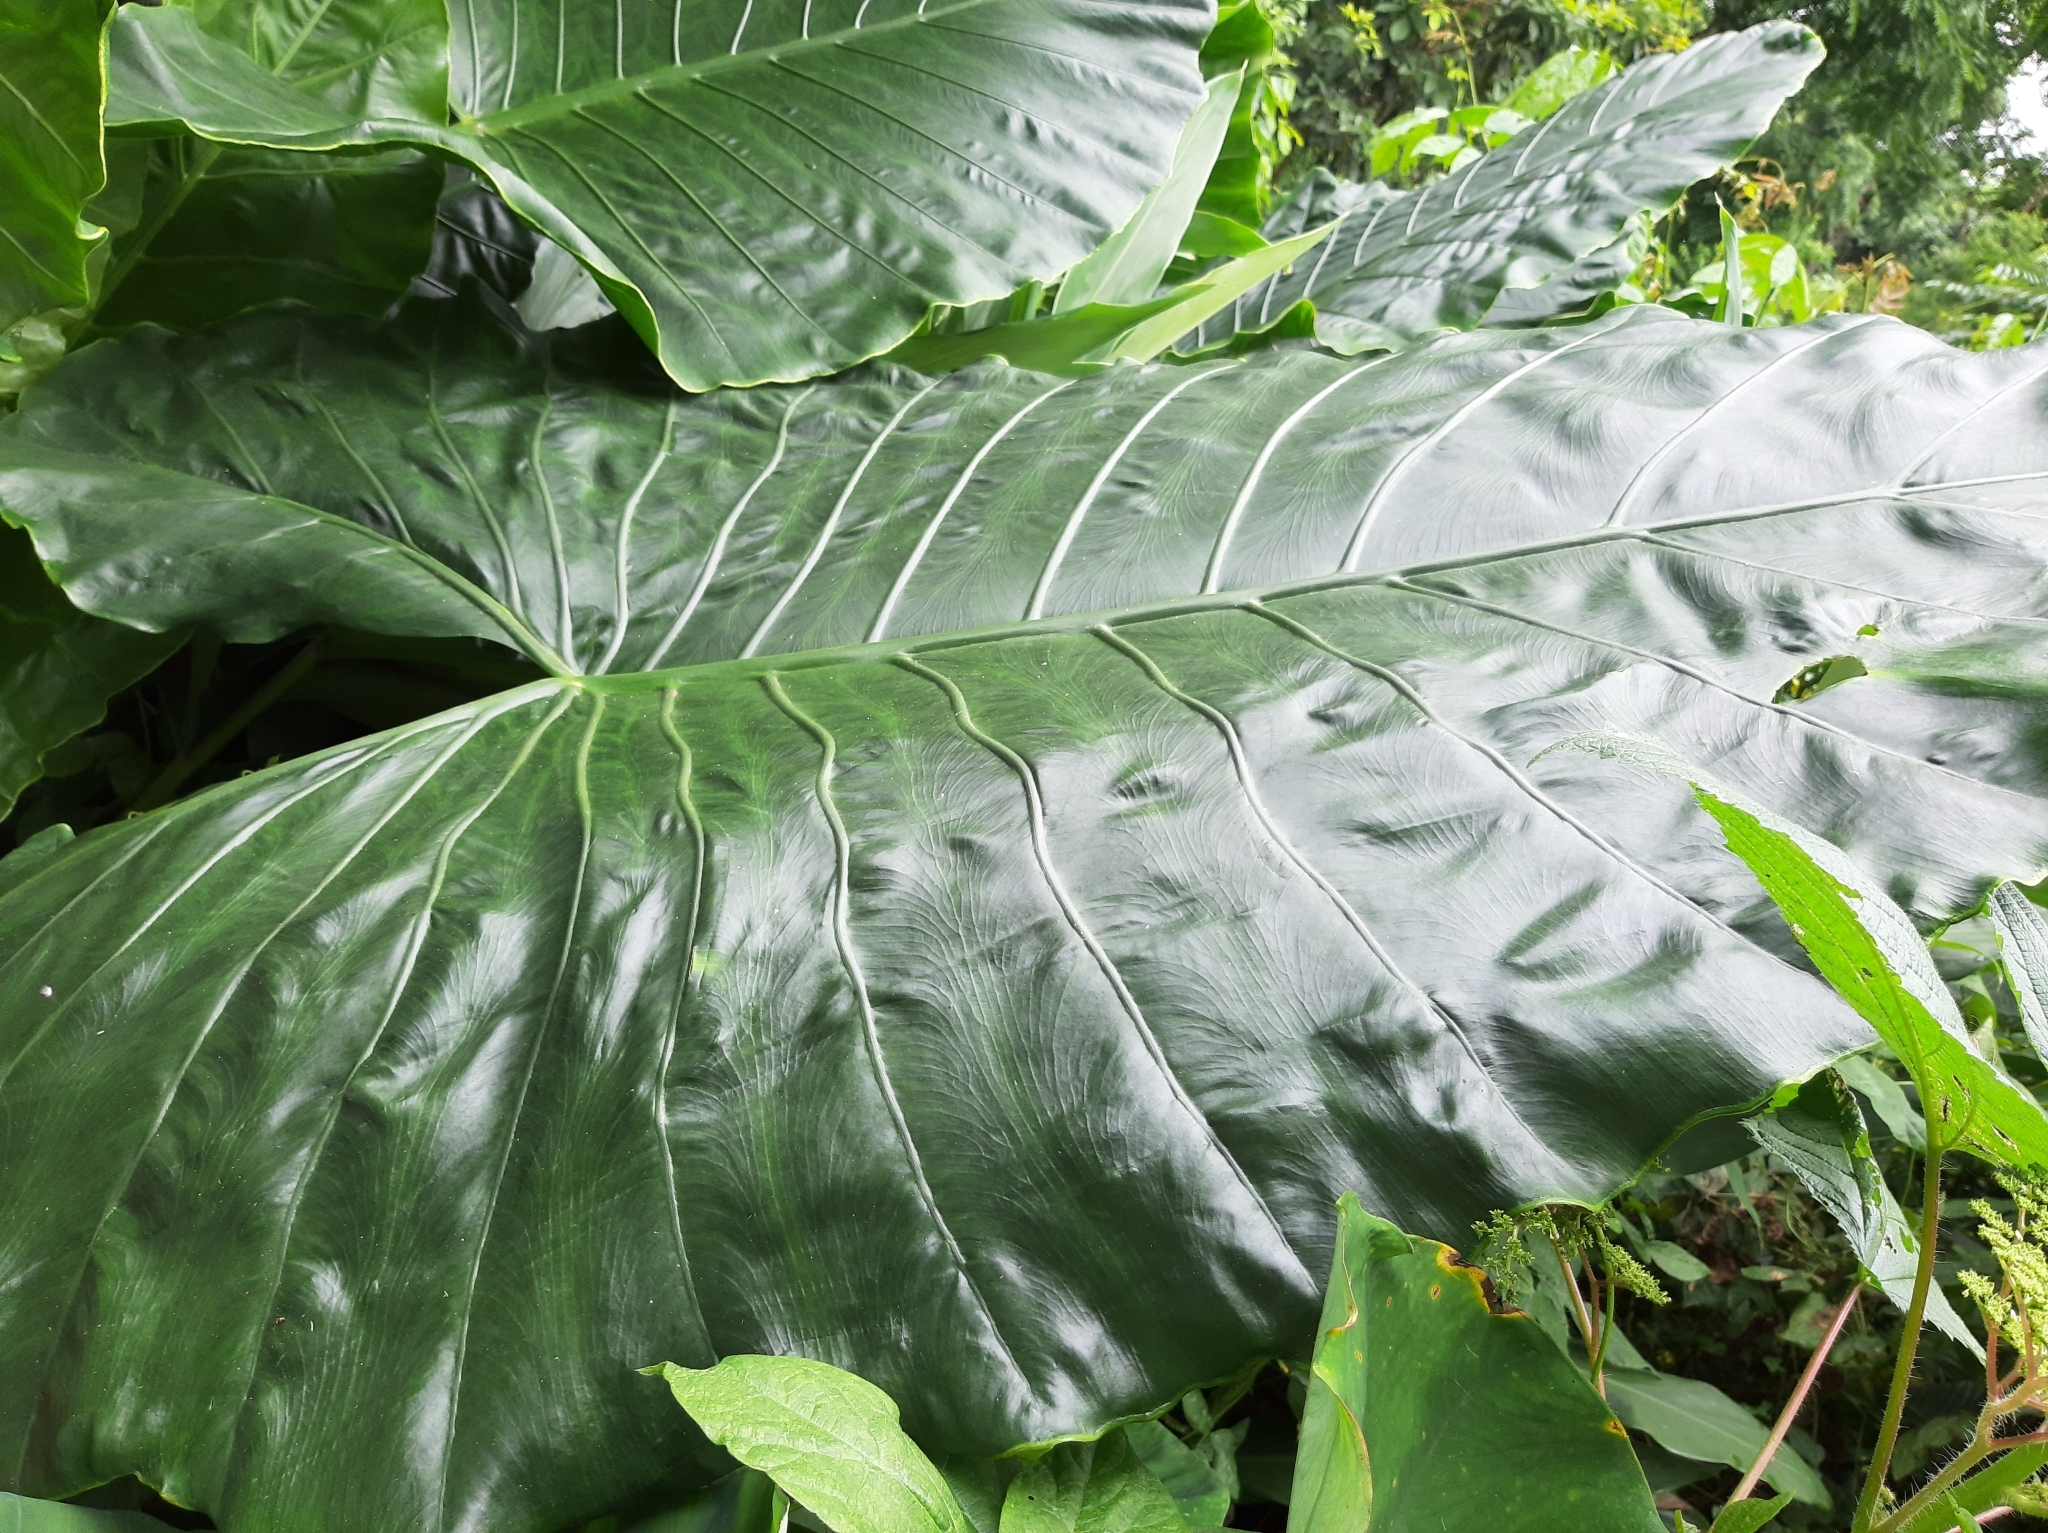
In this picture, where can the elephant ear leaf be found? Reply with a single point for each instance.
(829, 1439)
(1404, 265)
(219, 227)
(50, 92)
(1179, 681)
(777, 189)
(1426, 1406)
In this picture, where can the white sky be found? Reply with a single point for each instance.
(2023, 100)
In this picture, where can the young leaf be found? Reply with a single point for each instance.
(50, 162)
(1820, 1135)
(1057, 344)
(1243, 41)
(1193, 1483)
(2023, 947)
(1405, 265)
(1752, 1514)
(1867, 948)
(1216, 290)
(829, 1438)
(1090, 1487)
(762, 198)
(1887, 1098)
(1127, 267)
(1424, 1404)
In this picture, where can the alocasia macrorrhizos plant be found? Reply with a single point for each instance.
(985, 859)
(953, 801)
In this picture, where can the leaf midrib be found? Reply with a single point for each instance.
(567, 103)
(1176, 606)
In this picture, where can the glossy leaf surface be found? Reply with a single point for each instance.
(223, 229)
(1402, 265)
(997, 1007)
(1426, 1408)
(777, 188)
(50, 164)
(217, 229)
(58, 666)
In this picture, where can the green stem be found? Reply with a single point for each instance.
(171, 778)
(1598, 1359)
(1909, 1344)
(1579, 1313)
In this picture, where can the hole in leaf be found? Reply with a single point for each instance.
(1818, 677)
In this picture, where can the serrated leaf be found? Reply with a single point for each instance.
(1820, 1135)
(2023, 948)
(1867, 948)
(1423, 1405)
(1405, 265)
(829, 1438)
(776, 190)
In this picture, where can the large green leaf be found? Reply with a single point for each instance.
(50, 165)
(218, 229)
(779, 187)
(223, 229)
(1402, 265)
(1426, 1409)
(1099, 821)
(58, 666)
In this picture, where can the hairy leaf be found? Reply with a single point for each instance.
(50, 163)
(995, 858)
(1424, 1405)
(2023, 945)
(1402, 265)
(1820, 1135)
(1866, 947)
(776, 189)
